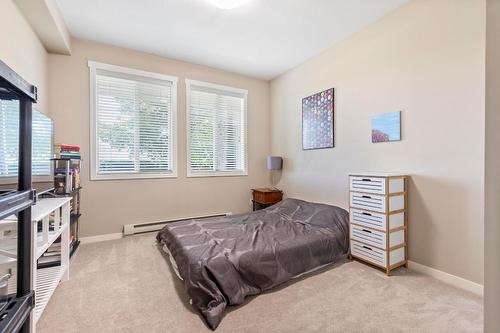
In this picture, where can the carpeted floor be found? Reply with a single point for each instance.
(128, 285)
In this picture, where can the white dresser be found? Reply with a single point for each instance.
(378, 215)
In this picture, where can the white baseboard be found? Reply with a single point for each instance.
(100, 238)
(453, 280)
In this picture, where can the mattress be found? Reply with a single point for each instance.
(172, 260)
(223, 260)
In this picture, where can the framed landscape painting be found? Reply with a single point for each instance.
(386, 127)
(317, 121)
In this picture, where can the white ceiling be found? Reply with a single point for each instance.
(262, 38)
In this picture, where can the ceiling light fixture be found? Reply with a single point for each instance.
(227, 4)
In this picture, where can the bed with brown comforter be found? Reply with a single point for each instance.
(223, 260)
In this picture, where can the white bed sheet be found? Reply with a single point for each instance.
(172, 260)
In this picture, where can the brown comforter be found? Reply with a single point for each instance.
(223, 260)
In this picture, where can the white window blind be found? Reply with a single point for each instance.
(9, 141)
(216, 130)
(134, 123)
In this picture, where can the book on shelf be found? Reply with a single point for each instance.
(54, 247)
(66, 147)
(70, 156)
(50, 259)
(69, 147)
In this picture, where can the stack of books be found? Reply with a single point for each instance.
(67, 151)
(52, 255)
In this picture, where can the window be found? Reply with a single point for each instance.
(216, 120)
(132, 123)
(9, 142)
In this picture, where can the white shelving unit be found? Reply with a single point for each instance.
(54, 216)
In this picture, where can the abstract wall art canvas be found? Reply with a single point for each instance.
(317, 120)
(386, 127)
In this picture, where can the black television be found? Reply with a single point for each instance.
(42, 148)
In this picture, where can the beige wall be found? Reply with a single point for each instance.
(426, 59)
(108, 205)
(492, 185)
(46, 20)
(21, 50)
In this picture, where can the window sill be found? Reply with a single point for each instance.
(216, 174)
(131, 176)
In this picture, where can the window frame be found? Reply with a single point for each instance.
(94, 175)
(244, 92)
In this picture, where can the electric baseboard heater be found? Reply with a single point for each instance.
(138, 228)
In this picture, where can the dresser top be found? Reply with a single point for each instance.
(266, 190)
(377, 174)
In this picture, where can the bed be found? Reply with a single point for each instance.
(223, 260)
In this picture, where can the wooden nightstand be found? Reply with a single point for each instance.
(265, 197)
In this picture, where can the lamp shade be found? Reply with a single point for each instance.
(274, 162)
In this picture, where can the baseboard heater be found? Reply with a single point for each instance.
(138, 228)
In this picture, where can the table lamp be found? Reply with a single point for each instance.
(274, 163)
